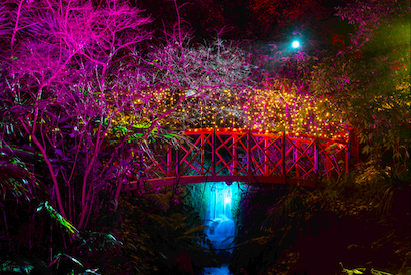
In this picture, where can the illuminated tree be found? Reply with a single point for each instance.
(370, 78)
(191, 74)
(63, 62)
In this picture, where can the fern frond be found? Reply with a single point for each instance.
(196, 229)
(160, 201)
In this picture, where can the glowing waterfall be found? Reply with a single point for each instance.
(219, 215)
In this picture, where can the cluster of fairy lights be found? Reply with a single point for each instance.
(290, 112)
(259, 109)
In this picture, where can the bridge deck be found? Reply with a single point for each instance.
(243, 155)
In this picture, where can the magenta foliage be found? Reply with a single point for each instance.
(62, 60)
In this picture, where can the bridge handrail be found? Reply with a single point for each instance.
(248, 155)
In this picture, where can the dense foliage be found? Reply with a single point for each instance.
(370, 80)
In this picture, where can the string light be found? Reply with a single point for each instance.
(261, 109)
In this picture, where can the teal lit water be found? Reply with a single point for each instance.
(219, 215)
(223, 270)
(219, 218)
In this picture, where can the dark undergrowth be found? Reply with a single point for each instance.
(151, 232)
(360, 221)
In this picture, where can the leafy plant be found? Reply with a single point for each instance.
(159, 235)
(15, 175)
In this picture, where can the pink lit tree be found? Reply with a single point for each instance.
(68, 69)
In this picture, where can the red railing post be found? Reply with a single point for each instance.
(213, 154)
(266, 158)
(234, 150)
(202, 160)
(295, 158)
(249, 152)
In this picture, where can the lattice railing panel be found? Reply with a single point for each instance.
(302, 162)
(230, 150)
(196, 158)
(335, 156)
(265, 154)
(159, 166)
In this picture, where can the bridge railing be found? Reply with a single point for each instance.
(247, 156)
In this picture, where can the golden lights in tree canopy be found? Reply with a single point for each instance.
(259, 109)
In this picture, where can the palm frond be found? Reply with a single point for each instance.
(59, 218)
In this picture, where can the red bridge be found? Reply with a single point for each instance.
(242, 155)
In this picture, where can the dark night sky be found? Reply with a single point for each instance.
(264, 20)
